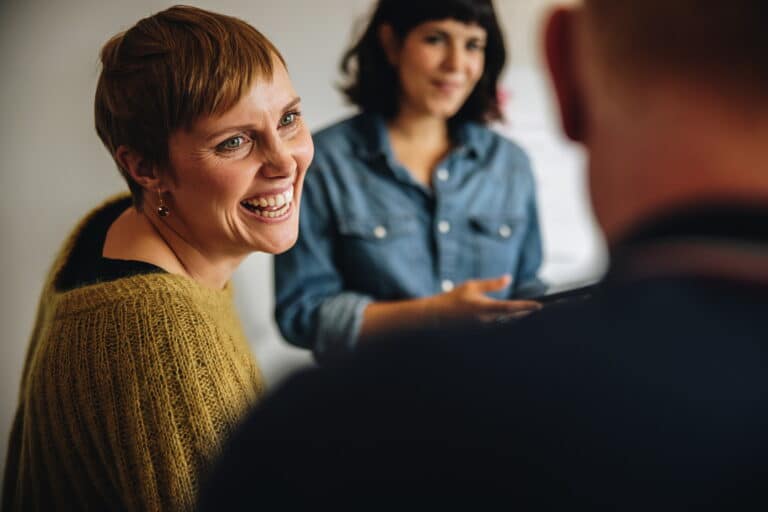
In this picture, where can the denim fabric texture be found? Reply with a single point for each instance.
(371, 232)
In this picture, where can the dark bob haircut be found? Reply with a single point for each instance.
(372, 82)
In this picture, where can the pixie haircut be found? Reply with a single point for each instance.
(372, 83)
(169, 70)
(722, 43)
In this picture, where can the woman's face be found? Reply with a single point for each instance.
(236, 179)
(439, 63)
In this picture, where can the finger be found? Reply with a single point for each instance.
(493, 284)
(488, 305)
(497, 318)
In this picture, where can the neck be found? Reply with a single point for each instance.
(142, 237)
(419, 142)
(675, 148)
(426, 130)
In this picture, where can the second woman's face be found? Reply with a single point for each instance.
(439, 63)
(236, 178)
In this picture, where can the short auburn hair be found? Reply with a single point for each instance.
(372, 83)
(167, 71)
(724, 43)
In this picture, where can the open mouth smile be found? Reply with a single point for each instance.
(270, 207)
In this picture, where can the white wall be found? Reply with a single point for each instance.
(53, 168)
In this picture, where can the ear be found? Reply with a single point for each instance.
(559, 47)
(139, 169)
(389, 43)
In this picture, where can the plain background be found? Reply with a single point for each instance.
(54, 169)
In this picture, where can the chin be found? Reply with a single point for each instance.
(284, 245)
(276, 244)
(279, 240)
(444, 111)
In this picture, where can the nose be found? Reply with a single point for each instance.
(277, 160)
(454, 58)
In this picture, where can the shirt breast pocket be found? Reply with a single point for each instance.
(381, 255)
(497, 243)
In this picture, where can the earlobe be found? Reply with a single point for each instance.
(138, 168)
(389, 43)
(559, 49)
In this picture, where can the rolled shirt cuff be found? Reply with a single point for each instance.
(531, 288)
(338, 328)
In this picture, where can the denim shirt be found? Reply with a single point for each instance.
(370, 232)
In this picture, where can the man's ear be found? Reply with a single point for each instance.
(139, 169)
(389, 43)
(559, 47)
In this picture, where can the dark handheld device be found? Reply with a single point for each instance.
(568, 295)
(562, 294)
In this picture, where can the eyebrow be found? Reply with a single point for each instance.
(478, 37)
(295, 101)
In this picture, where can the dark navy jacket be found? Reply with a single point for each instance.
(652, 395)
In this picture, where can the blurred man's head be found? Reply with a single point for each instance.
(670, 97)
(724, 43)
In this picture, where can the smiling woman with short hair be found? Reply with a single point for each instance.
(138, 368)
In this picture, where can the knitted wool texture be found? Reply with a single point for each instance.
(128, 390)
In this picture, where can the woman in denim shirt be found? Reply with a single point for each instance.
(414, 212)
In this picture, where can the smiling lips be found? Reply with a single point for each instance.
(446, 86)
(272, 206)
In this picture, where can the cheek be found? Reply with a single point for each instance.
(303, 151)
(477, 67)
(412, 83)
(419, 62)
(216, 181)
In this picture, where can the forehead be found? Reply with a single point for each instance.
(264, 100)
(452, 27)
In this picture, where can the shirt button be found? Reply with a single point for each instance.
(505, 231)
(447, 285)
(444, 226)
(443, 174)
(379, 232)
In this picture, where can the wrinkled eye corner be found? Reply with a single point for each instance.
(289, 118)
(232, 143)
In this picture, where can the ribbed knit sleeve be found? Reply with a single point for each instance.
(129, 394)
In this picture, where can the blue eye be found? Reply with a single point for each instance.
(232, 143)
(289, 118)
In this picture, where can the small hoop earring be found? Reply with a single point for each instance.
(162, 210)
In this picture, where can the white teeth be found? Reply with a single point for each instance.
(277, 213)
(281, 201)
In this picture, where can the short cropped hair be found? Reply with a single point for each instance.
(722, 42)
(167, 71)
(372, 83)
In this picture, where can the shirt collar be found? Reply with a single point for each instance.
(719, 220)
(707, 239)
(471, 138)
(375, 143)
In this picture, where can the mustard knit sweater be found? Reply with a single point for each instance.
(129, 387)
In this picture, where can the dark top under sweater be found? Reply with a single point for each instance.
(87, 265)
